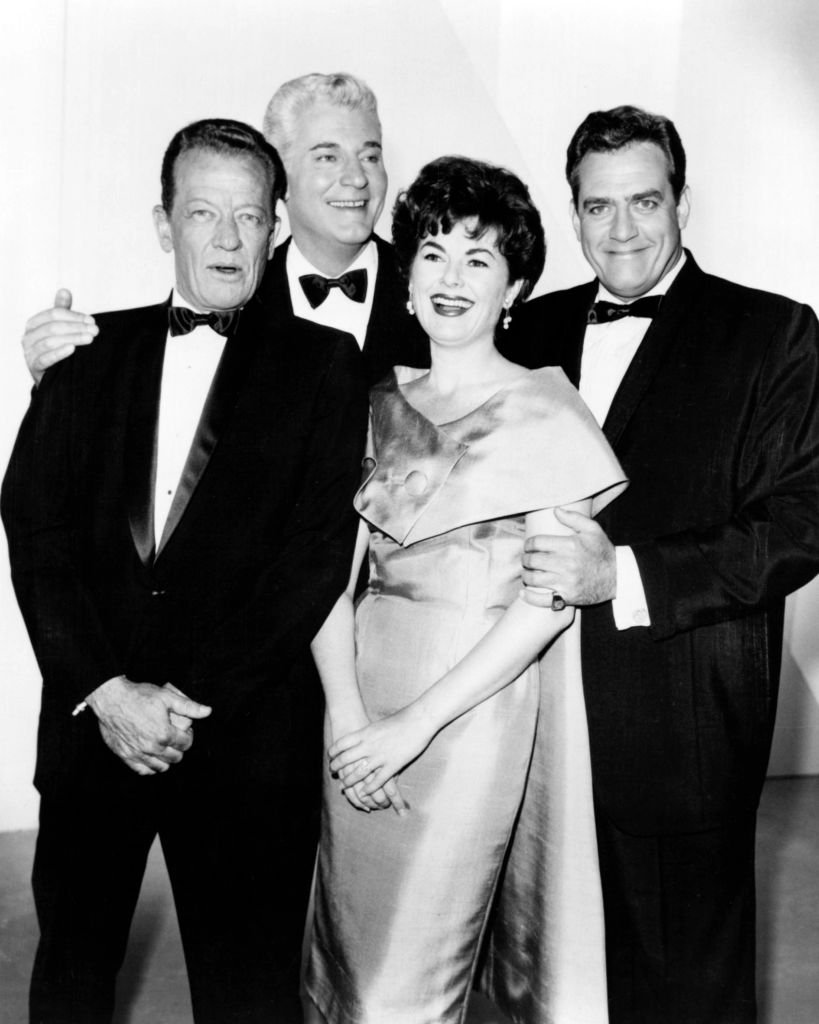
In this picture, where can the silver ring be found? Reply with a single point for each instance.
(558, 603)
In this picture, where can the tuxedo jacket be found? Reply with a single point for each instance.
(258, 543)
(393, 336)
(716, 424)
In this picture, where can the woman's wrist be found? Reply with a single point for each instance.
(348, 717)
(421, 716)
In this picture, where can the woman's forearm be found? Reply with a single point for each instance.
(333, 650)
(512, 644)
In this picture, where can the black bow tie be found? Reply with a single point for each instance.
(604, 312)
(353, 284)
(182, 320)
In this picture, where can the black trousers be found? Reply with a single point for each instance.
(680, 925)
(239, 845)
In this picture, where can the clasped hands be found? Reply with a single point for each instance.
(368, 759)
(148, 727)
(581, 566)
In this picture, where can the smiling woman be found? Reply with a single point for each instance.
(432, 703)
(462, 278)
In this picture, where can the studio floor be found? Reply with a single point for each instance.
(153, 989)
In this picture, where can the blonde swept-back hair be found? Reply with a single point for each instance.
(291, 100)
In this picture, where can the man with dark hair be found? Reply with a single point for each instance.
(708, 393)
(606, 131)
(178, 507)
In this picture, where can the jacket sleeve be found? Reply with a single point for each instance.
(769, 546)
(40, 510)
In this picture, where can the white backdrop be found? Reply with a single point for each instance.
(92, 90)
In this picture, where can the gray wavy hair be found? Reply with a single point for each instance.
(292, 99)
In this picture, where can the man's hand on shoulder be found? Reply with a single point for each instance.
(581, 567)
(54, 333)
(148, 727)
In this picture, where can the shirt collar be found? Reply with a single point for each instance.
(178, 300)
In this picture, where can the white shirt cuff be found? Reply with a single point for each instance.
(630, 607)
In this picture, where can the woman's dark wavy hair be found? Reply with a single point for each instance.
(225, 136)
(605, 131)
(452, 189)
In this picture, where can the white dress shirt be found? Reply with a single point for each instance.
(337, 310)
(608, 349)
(188, 370)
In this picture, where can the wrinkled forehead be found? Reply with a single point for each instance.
(632, 162)
(321, 120)
(223, 169)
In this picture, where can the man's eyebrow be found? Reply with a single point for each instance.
(595, 201)
(370, 144)
(651, 193)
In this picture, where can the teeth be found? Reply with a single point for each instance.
(458, 303)
(349, 203)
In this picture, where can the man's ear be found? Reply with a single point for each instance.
(163, 229)
(575, 218)
(274, 234)
(683, 207)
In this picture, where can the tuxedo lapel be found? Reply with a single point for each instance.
(144, 384)
(274, 291)
(386, 306)
(237, 357)
(393, 337)
(573, 329)
(661, 339)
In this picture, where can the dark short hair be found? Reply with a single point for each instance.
(222, 135)
(452, 189)
(605, 131)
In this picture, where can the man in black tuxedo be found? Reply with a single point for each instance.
(327, 131)
(708, 394)
(178, 507)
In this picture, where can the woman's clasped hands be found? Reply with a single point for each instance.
(368, 760)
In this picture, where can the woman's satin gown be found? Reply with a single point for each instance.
(402, 903)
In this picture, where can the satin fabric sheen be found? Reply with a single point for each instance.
(545, 960)
(402, 903)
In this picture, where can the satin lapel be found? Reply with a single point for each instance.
(237, 357)
(574, 331)
(392, 335)
(140, 445)
(383, 297)
(274, 291)
(660, 340)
